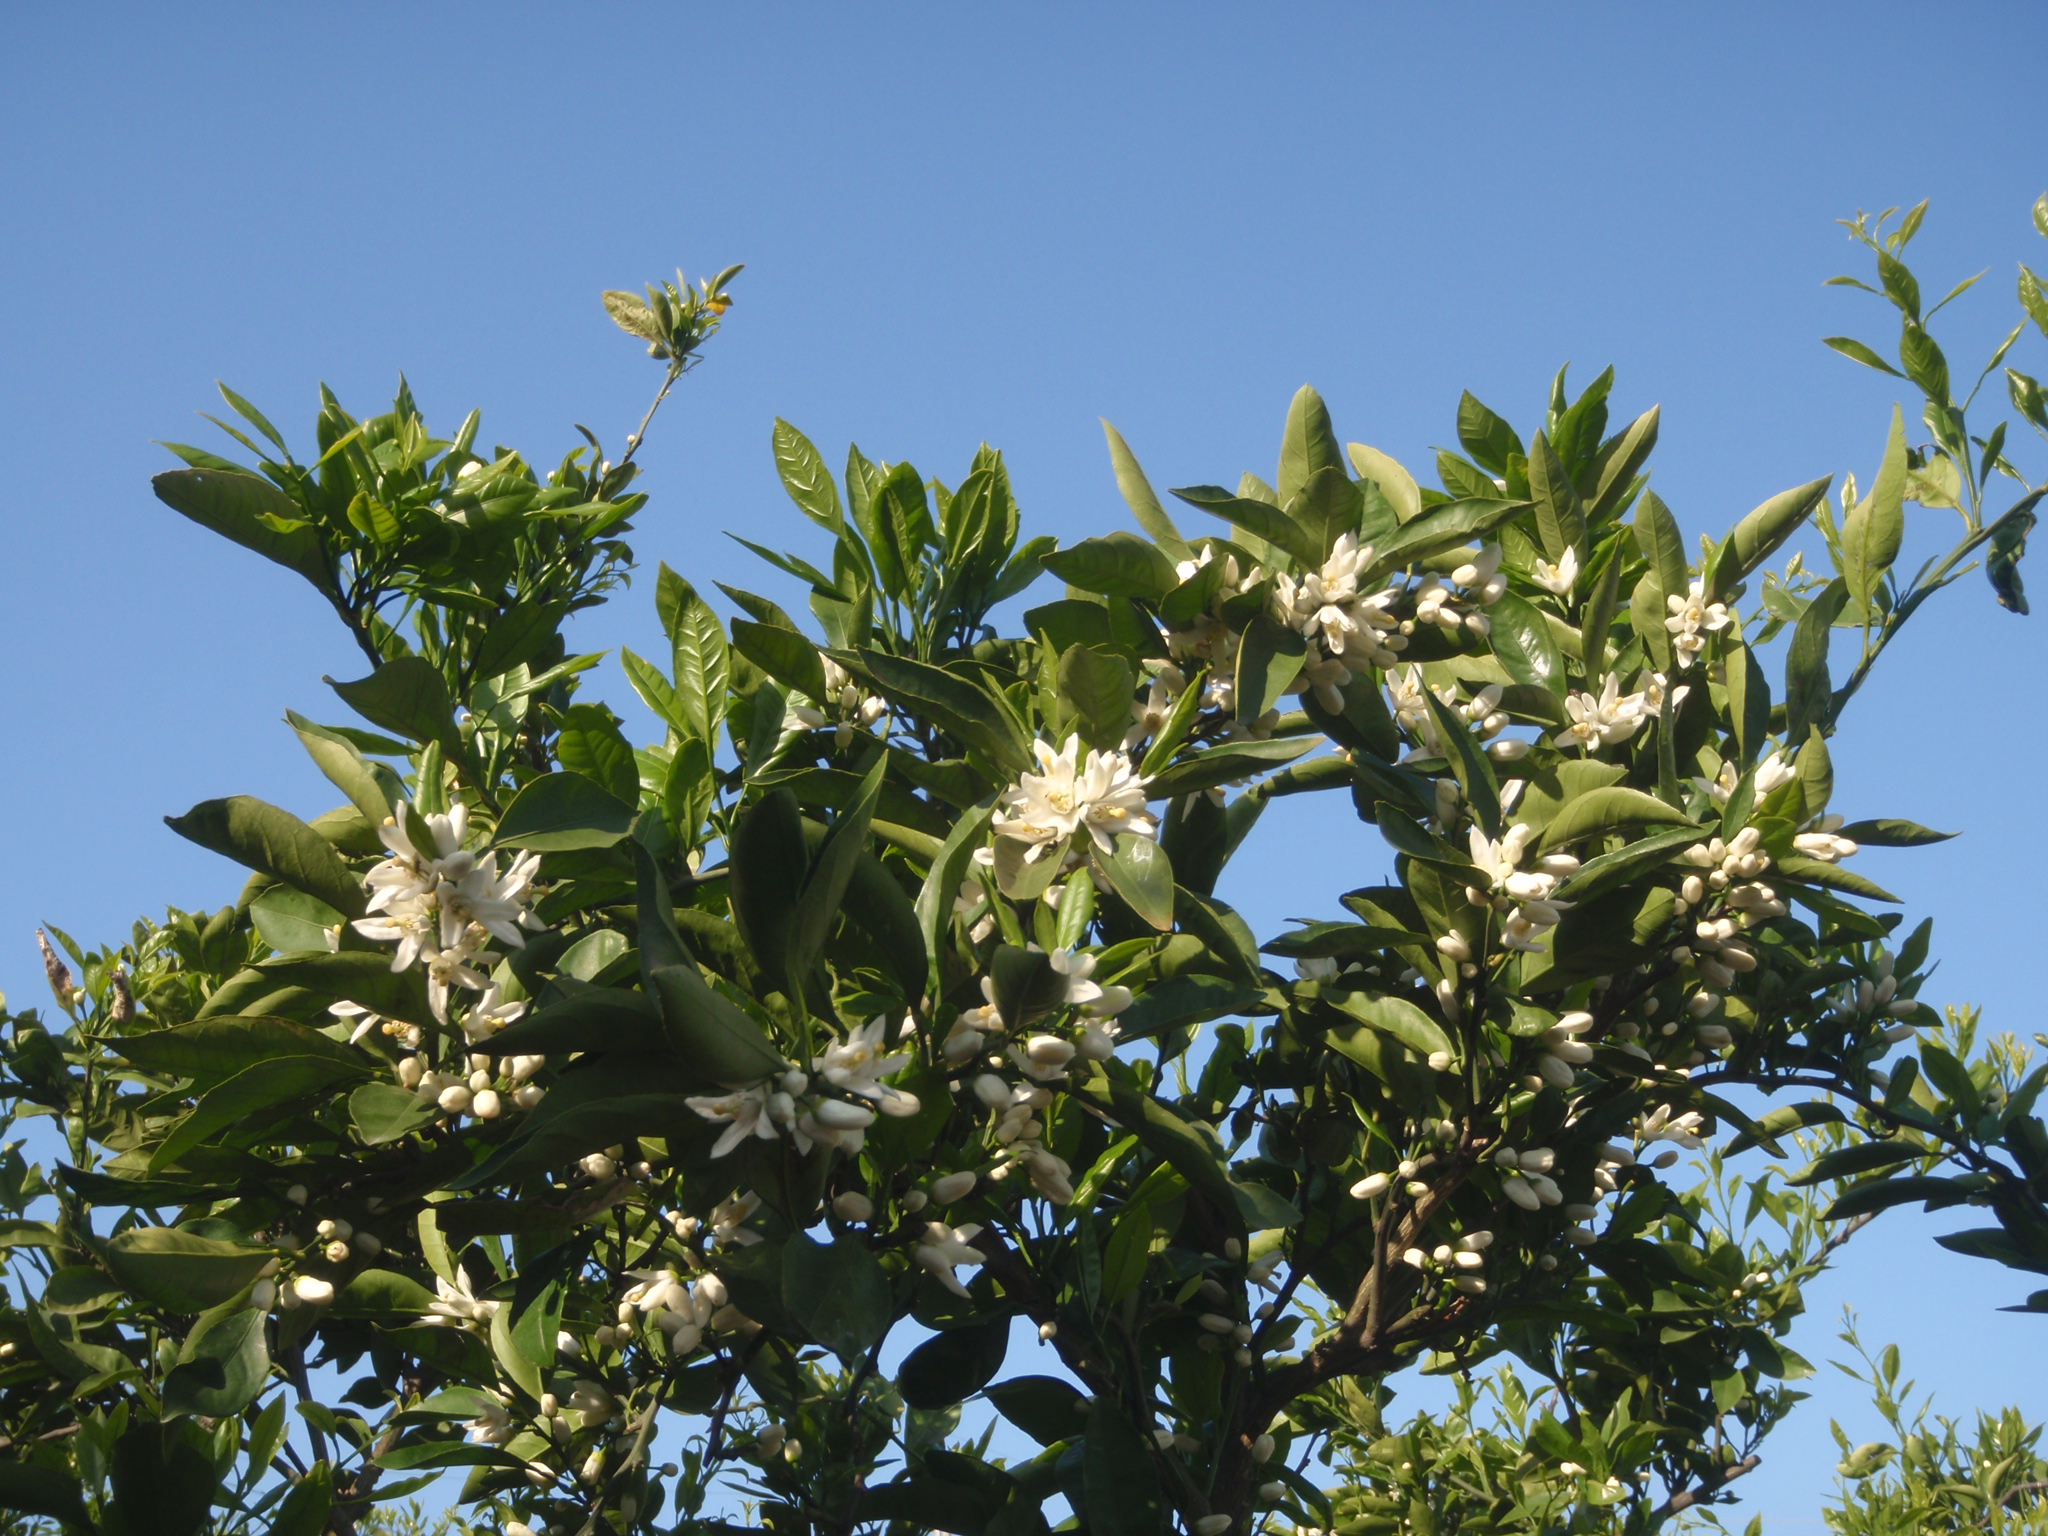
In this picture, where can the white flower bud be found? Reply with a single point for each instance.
(1047, 1332)
(1262, 1449)
(410, 1070)
(296, 1194)
(952, 1186)
(1216, 1322)
(529, 1096)
(598, 1166)
(455, 1100)
(311, 1290)
(487, 1105)
(852, 1205)
(1049, 1050)
(992, 1090)
(1371, 1187)
(1440, 1061)
(915, 1200)
(263, 1294)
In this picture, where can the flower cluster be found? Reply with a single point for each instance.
(1692, 619)
(1526, 895)
(481, 1093)
(442, 907)
(1340, 624)
(1209, 641)
(850, 709)
(1462, 1260)
(1101, 795)
(790, 1102)
(1612, 717)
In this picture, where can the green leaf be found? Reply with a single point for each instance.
(1602, 874)
(273, 842)
(953, 1365)
(1096, 686)
(1119, 565)
(1397, 1017)
(516, 637)
(222, 1368)
(31, 1489)
(561, 812)
(1560, 519)
(1026, 986)
(1195, 1157)
(1809, 695)
(290, 920)
(690, 791)
(942, 882)
(1786, 1117)
(1657, 536)
(1119, 1477)
(1756, 538)
(1330, 506)
(408, 697)
(590, 743)
(1126, 1254)
(252, 512)
(1856, 351)
(1140, 873)
(214, 1050)
(1621, 464)
(784, 655)
(1138, 496)
(806, 478)
(838, 1292)
(1269, 660)
(1892, 832)
(1523, 642)
(384, 1112)
(957, 706)
(361, 977)
(1258, 518)
(1488, 438)
(1308, 444)
(770, 864)
(254, 1089)
(1832, 877)
(710, 1035)
(1883, 1194)
(1224, 762)
(372, 788)
(1876, 525)
(1603, 810)
(2008, 541)
(1044, 1407)
(1749, 699)
(1863, 1157)
(163, 1479)
(830, 872)
(700, 663)
(1394, 481)
(1443, 527)
(181, 1271)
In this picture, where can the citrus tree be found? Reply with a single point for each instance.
(678, 1135)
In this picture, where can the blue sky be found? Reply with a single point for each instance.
(968, 223)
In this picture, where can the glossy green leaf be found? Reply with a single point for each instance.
(590, 742)
(1269, 661)
(1118, 565)
(1756, 538)
(273, 842)
(180, 1271)
(710, 1035)
(1399, 1018)
(222, 1367)
(1604, 810)
(1809, 695)
(163, 1479)
(959, 707)
(838, 1293)
(252, 512)
(1139, 497)
(805, 477)
(385, 1112)
(560, 812)
(1095, 687)
(1560, 518)
(1307, 445)
(409, 698)
(954, 1364)
(1876, 525)
(1044, 1407)
(1120, 1479)
(1522, 640)
(250, 1092)
(372, 788)
(1256, 517)
(1487, 437)
(700, 664)
(1394, 481)
(1141, 874)
(784, 655)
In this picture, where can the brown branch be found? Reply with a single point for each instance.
(1706, 1492)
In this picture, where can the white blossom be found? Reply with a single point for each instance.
(1692, 619)
(943, 1249)
(1561, 577)
(1607, 720)
(1101, 794)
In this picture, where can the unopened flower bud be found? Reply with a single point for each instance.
(852, 1205)
(1371, 1187)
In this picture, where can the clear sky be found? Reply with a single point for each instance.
(966, 223)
